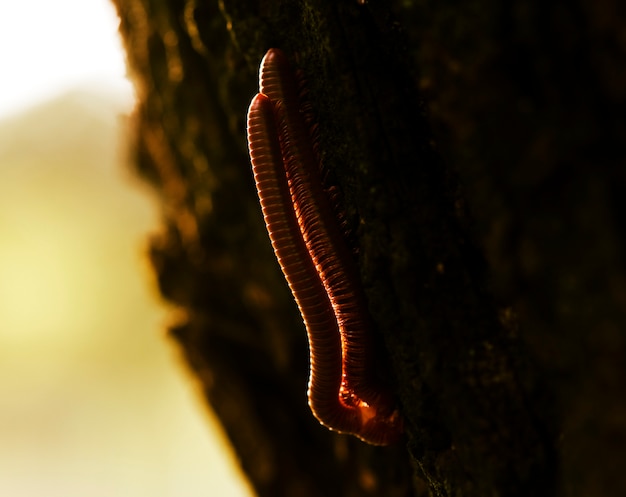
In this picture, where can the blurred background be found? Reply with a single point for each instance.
(94, 398)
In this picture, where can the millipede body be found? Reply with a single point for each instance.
(344, 394)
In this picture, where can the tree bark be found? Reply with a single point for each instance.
(478, 149)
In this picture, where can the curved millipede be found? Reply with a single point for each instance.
(318, 266)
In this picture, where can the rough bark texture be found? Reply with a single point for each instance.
(479, 148)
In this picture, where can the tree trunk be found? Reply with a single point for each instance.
(478, 149)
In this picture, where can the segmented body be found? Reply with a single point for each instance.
(320, 270)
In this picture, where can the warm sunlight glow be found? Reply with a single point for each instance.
(94, 398)
(32, 279)
(51, 45)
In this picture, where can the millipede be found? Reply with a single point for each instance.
(343, 392)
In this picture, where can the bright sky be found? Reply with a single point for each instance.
(47, 46)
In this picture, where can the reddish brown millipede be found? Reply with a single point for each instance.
(318, 266)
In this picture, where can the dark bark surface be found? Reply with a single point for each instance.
(479, 150)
